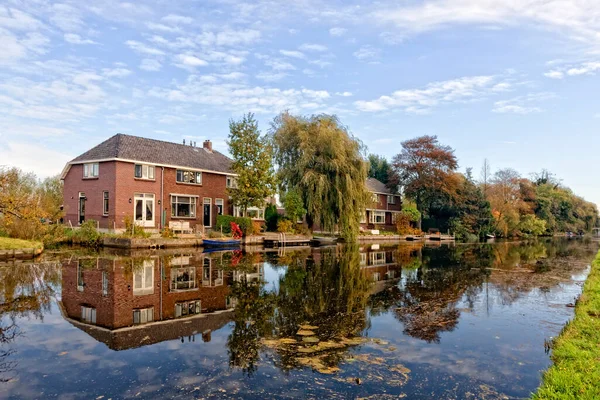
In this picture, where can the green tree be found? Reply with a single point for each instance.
(252, 156)
(319, 158)
(293, 204)
(379, 168)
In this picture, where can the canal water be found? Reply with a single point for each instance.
(371, 321)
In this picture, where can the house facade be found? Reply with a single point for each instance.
(383, 208)
(150, 181)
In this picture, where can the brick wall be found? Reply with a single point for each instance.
(118, 179)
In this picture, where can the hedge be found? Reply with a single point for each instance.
(224, 222)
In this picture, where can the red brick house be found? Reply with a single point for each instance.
(380, 214)
(151, 181)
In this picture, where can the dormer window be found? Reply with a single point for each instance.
(91, 170)
(231, 182)
(144, 171)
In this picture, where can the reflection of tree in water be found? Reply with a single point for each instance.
(25, 290)
(324, 293)
(254, 308)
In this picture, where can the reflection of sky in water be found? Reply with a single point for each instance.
(496, 347)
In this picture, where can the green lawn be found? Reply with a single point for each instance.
(16, 244)
(575, 373)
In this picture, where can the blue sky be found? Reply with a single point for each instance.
(514, 81)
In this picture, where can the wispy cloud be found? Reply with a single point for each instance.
(313, 47)
(143, 48)
(367, 53)
(74, 38)
(337, 31)
(526, 104)
(148, 64)
(292, 53)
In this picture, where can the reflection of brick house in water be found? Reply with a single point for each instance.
(130, 302)
(379, 264)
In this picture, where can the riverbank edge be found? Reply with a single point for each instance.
(32, 250)
(575, 373)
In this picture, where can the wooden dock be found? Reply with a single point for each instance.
(274, 239)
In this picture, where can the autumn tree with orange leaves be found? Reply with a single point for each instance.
(426, 169)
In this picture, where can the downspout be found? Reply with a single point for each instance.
(162, 195)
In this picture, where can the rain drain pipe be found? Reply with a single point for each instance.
(162, 184)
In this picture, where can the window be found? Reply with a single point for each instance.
(375, 198)
(105, 203)
(188, 308)
(251, 212)
(189, 177)
(88, 314)
(143, 278)
(104, 283)
(219, 204)
(230, 302)
(391, 274)
(363, 218)
(377, 217)
(376, 276)
(144, 171)
(143, 315)
(391, 199)
(231, 182)
(90, 170)
(377, 258)
(183, 206)
(183, 278)
(363, 258)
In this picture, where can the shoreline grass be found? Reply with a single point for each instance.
(575, 373)
(18, 244)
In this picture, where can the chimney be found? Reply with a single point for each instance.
(207, 145)
(184, 142)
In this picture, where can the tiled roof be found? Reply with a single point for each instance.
(156, 152)
(377, 186)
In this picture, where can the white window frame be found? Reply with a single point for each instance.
(391, 199)
(104, 283)
(188, 177)
(181, 285)
(105, 203)
(375, 198)
(144, 315)
(374, 215)
(193, 202)
(377, 258)
(146, 171)
(220, 203)
(230, 182)
(260, 212)
(185, 305)
(207, 201)
(146, 272)
(88, 314)
(91, 170)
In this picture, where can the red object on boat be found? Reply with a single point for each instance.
(236, 232)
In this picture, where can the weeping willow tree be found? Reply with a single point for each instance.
(317, 157)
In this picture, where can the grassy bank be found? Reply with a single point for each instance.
(17, 244)
(575, 373)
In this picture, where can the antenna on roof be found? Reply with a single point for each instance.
(183, 141)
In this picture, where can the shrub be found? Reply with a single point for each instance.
(257, 228)
(403, 224)
(87, 234)
(285, 226)
(302, 229)
(167, 233)
(134, 230)
(271, 217)
(215, 234)
(224, 224)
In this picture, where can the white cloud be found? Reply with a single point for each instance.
(237, 37)
(188, 60)
(580, 17)
(143, 49)
(279, 65)
(313, 47)
(337, 31)
(587, 68)
(292, 53)
(419, 101)
(320, 63)
(66, 17)
(555, 74)
(162, 27)
(74, 38)
(271, 76)
(148, 64)
(177, 19)
(16, 19)
(392, 37)
(116, 72)
(526, 104)
(367, 53)
(344, 94)
(33, 157)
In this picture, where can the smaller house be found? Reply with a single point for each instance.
(385, 205)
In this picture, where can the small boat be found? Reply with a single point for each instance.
(490, 236)
(221, 243)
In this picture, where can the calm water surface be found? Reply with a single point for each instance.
(420, 322)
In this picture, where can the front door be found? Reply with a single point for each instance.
(143, 209)
(81, 207)
(207, 213)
